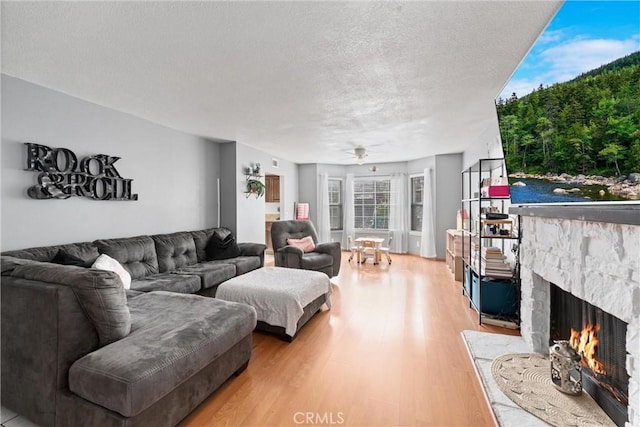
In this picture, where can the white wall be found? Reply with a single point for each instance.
(250, 211)
(491, 148)
(173, 173)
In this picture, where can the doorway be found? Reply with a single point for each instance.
(273, 205)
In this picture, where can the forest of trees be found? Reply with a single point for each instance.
(589, 125)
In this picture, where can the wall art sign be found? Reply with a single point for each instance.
(61, 175)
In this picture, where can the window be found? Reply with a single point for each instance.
(417, 197)
(335, 204)
(371, 199)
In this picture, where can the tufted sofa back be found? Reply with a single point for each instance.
(136, 254)
(175, 251)
(86, 251)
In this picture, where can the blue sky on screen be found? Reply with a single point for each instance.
(582, 36)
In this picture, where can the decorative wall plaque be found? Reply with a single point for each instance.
(61, 175)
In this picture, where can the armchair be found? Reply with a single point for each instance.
(325, 257)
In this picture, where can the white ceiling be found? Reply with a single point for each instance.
(303, 81)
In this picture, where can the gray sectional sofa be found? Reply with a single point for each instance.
(78, 349)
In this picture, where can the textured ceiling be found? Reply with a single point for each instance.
(303, 81)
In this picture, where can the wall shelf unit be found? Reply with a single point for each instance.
(490, 280)
(454, 253)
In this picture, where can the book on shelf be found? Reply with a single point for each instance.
(493, 263)
(492, 252)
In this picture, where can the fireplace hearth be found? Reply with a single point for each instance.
(600, 338)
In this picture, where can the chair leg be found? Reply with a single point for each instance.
(388, 258)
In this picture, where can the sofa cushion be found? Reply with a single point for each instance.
(245, 264)
(86, 251)
(132, 294)
(171, 282)
(136, 254)
(173, 337)
(99, 292)
(175, 251)
(210, 273)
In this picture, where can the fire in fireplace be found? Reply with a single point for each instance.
(586, 342)
(601, 340)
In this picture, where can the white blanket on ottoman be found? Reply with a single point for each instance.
(278, 294)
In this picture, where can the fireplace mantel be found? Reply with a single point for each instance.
(613, 213)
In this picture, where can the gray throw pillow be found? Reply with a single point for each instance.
(100, 294)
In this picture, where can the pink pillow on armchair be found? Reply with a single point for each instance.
(306, 243)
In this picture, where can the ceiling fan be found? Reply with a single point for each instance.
(357, 151)
(361, 154)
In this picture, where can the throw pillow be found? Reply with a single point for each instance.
(222, 245)
(65, 258)
(306, 243)
(105, 262)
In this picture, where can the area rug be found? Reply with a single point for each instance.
(525, 378)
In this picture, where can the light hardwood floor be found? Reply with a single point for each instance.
(389, 353)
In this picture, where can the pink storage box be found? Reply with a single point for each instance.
(495, 191)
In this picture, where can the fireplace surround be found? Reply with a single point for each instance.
(593, 253)
(601, 340)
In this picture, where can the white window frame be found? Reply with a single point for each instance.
(341, 204)
(372, 178)
(411, 176)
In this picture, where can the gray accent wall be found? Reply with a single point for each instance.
(448, 194)
(308, 175)
(173, 173)
(228, 186)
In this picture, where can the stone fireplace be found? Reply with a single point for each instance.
(593, 253)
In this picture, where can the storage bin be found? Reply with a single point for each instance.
(498, 296)
(495, 191)
(467, 280)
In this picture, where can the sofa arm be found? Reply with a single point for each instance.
(252, 249)
(334, 249)
(289, 257)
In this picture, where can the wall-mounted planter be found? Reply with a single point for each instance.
(255, 187)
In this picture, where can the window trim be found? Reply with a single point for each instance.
(411, 204)
(372, 178)
(340, 205)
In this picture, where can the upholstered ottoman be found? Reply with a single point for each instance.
(284, 298)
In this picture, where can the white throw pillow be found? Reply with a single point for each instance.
(105, 262)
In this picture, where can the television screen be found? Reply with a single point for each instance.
(570, 116)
